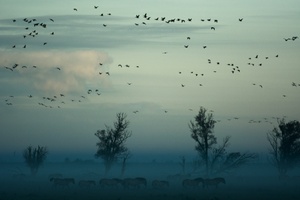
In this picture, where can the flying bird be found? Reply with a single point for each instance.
(241, 19)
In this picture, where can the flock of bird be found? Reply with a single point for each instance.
(33, 28)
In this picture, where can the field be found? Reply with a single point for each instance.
(252, 182)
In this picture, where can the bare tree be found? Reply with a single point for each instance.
(216, 158)
(202, 133)
(111, 144)
(34, 157)
(285, 145)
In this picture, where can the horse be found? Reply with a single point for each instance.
(62, 182)
(134, 182)
(111, 183)
(213, 182)
(192, 183)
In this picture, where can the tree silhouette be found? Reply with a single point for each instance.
(34, 157)
(215, 158)
(111, 144)
(285, 145)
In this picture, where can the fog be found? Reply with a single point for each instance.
(256, 180)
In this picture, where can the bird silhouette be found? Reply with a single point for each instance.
(241, 19)
(75, 9)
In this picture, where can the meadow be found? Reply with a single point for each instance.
(255, 181)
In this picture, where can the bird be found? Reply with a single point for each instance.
(186, 46)
(212, 28)
(96, 7)
(107, 73)
(24, 46)
(182, 85)
(51, 19)
(204, 47)
(241, 19)
(58, 68)
(129, 83)
(75, 9)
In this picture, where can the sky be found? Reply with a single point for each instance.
(157, 61)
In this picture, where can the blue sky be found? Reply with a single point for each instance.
(62, 115)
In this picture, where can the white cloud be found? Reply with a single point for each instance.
(57, 71)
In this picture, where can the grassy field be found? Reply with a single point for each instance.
(15, 184)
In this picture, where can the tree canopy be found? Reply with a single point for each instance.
(34, 157)
(111, 144)
(216, 158)
(285, 145)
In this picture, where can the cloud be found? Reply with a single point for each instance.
(57, 71)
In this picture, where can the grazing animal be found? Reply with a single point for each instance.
(213, 182)
(159, 184)
(56, 175)
(192, 183)
(134, 183)
(62, 182)
(86, 183)
(110, 183)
